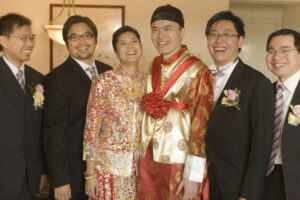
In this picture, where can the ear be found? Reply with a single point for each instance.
(3, 41)
(241, 41)
(182, 32)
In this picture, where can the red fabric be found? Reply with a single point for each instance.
(153, 103)
(157, 181)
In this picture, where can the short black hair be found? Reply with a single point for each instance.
(120, 31)
(75, 19)
(11, 21)
(295, 34)
(229, 16)
(168, 12)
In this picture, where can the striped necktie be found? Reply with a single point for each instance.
(20, 78)
(92, 71)
(277, 127)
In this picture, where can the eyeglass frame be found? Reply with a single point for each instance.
(281, 51)
(84, 36)
(24, 38)
(223, 35)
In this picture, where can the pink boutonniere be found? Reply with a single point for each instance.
(232, 98)
(294, 116)
(37, 95)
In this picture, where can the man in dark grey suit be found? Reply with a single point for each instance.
(239, 133)
(66, 94)
(283, 59)
(21, 160)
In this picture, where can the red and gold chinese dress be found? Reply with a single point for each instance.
(178, 104)
(112, 132)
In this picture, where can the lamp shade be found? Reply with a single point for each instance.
(55, 33)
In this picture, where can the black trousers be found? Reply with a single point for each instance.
(214, 189)
(274, 185)
(25, 193)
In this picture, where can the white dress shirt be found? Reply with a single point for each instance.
(221, 75)
(15, 69)
(290, 86)
(84, 66)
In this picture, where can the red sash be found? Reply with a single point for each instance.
(153, 102)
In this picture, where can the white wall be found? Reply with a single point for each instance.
(291, 17)
(137, 14)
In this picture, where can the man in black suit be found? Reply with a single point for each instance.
(66, 94)
(283, 59)
(21, 160)
(239, 133)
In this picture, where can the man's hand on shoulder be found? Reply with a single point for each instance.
(63, 192)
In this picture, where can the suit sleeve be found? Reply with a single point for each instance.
(200, 96)
(262, 118)
(54, 127)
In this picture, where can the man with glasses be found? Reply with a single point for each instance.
(283, 59)
(66, 93)
(239, 133)
(21, 160)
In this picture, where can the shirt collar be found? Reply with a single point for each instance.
(12, 67)
(225, 69)
(84, 65)
(291, 83)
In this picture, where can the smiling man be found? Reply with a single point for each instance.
(21, 157)
(283, 59)
(177, 104)
(66, 93)
(239, 133)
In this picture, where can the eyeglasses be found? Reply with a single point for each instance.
(283, 51)
(24, 38)
(85, 36)
(223, 35)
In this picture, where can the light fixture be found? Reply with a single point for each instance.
(54, 31)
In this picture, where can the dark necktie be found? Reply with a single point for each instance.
(277, 127)
(20, 78)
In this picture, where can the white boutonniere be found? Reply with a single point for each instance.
(294, 115)
(37, 95)
(232, 98)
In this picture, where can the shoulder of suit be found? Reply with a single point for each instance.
(34, 72)
(251, 73)
(102, 65)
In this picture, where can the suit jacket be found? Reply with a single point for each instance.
(20, 131)
(290, 152)
(66, 93)
(238, 141)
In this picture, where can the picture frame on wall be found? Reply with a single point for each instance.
(107, 18)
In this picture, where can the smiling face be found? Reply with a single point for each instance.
(286, 63)
(129, 49)
(15, 49)
(224, 49)
(81, 49)
(166, 37)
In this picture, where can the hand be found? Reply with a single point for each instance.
(44, 181)
(63, 192)
(187, 190)
(91, 188)
(241, 198)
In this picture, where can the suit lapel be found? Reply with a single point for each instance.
(295, 101)
(220, 110)
(77, 69)
(9, 79)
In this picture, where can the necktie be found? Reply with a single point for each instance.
(92, 71)
(277, 127)
(20, 78)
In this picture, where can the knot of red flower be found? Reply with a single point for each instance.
(168, 4)
(155, 106)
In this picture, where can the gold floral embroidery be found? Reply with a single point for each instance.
(155, 143)
(165, 159)
(195, 124)
(168, 126)
(182, 145)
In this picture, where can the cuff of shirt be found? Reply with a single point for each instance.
(194, 168)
